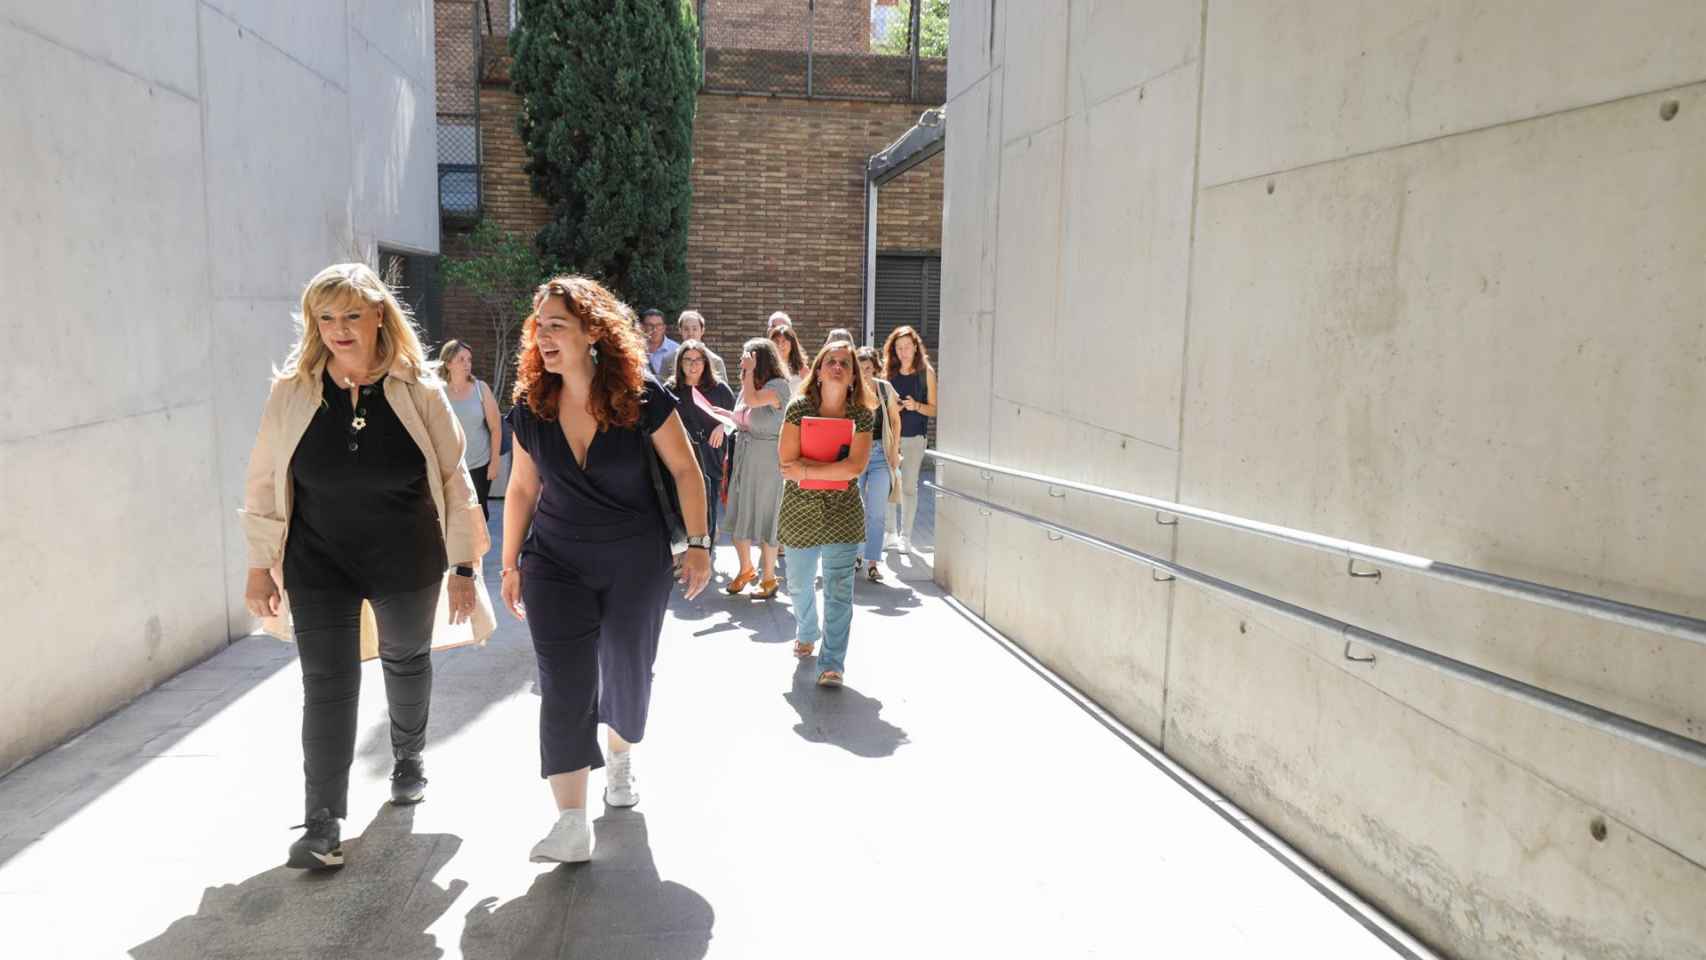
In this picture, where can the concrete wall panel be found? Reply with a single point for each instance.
(1302, 81)
(1478, 855)
(1118, 45)
(159, 47)
(975, 37)
(402, 32)
(392, 135)
(1354, 329)
(310, 33)
(1106, 620)
(1027, 270)
(111, 534)
(1129, 164)
(1444, 296)
(968, 205)
(81, 352)
(1035, 68)
(279, 194)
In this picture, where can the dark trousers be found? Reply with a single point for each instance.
(328, 640)
(595, 611)
(482, 486)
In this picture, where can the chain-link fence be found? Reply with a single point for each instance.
(457, 42)
(893, 50)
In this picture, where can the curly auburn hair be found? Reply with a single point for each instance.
(618, 376)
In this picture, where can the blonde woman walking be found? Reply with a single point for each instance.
(357, 494)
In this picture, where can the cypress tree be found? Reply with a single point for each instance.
(607, 89)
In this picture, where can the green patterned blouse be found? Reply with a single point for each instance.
(812, 518)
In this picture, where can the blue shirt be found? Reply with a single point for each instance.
(661, 357)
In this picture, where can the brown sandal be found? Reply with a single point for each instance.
(803, 650)
(767, 588)
(873, 574)
(740, 582)
(829, 678)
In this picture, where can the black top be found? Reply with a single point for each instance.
(362, 517)
(699, 425)
(611, 498)
(912, 385)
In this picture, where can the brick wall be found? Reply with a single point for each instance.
(842, 26)
(909, 214)
(778, 211)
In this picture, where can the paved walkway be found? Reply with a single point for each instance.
(948, 801)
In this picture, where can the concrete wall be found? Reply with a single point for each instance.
(175, 172)
(1428, 275)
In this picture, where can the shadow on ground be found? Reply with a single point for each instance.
(616, 906)
(841, 716)
(381, 904)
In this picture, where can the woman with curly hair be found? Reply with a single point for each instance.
(587, 559)
(788, 348)
(906, 366)
(357, 501)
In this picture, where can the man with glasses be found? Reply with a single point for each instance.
(691, 326)
(660, 349)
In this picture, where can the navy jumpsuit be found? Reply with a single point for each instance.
(596, 573)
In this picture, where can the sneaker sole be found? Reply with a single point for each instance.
(609, 803)
(545, 858)
(309, 860)
(409, 800)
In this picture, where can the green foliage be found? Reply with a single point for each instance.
(501, 271)
(932, 32)
(607, 89)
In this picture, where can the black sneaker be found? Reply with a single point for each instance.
(408, 781)
(319, 848)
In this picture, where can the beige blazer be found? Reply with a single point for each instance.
(426, 414)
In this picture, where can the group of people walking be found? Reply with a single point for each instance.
(367, 492)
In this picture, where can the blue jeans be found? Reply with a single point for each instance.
(837, 598)
(874, 488)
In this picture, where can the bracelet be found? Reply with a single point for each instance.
(506, 571)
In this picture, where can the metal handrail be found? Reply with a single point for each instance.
(1600, 608)
(1615, 724)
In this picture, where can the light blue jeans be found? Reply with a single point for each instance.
(874, 488)
(837, 559)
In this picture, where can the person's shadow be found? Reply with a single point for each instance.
(615, 906)
(380, 904)
(841, 716)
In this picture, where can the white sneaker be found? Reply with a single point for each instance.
(903, 544)
(570, 840)
(619, 780)
(891, 541)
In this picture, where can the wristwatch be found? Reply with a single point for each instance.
(702, 542)
(463, 570)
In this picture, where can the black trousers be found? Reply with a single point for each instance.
(482, 486)
(328, 640)
(595, 611)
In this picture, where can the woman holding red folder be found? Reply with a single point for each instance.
(823, 518)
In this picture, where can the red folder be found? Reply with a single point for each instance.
(824, 439)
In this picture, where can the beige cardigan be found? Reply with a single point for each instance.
(426, 414)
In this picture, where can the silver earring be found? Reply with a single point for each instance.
(592, 351)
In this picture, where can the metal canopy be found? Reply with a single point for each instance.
(926, 139)
(923, 141)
